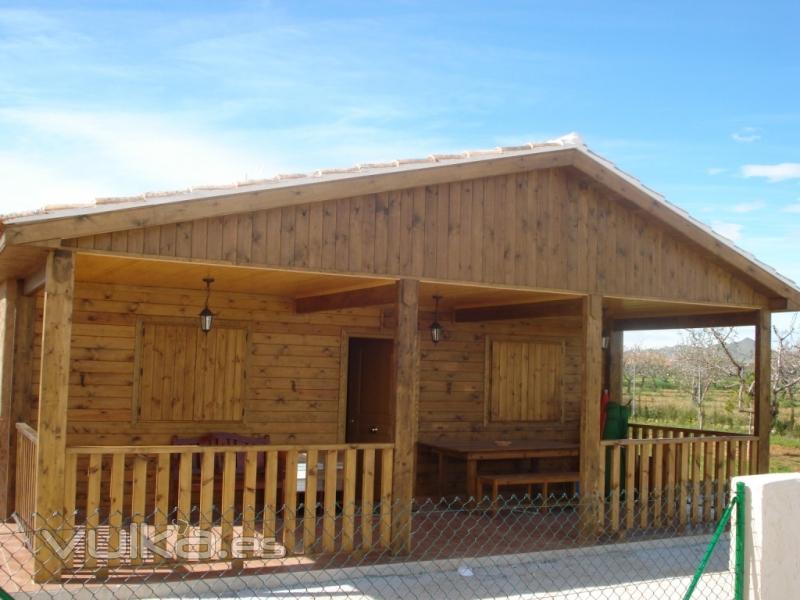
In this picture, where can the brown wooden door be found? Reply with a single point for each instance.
(370, 417)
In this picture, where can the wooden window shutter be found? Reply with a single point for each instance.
(186, 375)
(524, 380)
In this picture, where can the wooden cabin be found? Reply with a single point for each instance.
(533, 260)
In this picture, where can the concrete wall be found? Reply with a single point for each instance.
(772, 536)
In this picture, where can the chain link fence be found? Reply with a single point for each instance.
(519, 546)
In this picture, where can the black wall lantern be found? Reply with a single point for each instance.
(206, 316)
(437, 331)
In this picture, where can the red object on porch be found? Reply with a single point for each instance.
(604, 399)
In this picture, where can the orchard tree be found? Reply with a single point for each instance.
(700, 363)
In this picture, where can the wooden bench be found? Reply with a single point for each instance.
(496, 481)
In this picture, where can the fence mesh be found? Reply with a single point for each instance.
(519, 546)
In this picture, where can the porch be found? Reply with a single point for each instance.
(100, 489)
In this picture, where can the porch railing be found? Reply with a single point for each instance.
(305, 498)
(670, 476)
(25, 490)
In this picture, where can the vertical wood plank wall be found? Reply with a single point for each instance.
(550, 229)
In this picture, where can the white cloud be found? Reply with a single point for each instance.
(746, 207)
(28, 185)
(715, 170)
(65, 157)
(792, 208)
(774, 173)
(746, 135)
(70, 156)
(732, 231)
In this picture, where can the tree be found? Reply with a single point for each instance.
(699, 364)
(738, 367)
(785, 367)
(639, 365)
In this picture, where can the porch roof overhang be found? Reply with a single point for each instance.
(317, 291)
(47, 227)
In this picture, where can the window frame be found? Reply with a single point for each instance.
(488, 422)
(141, 322)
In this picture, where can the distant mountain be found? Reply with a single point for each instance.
(743, 350)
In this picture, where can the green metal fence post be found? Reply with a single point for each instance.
(726, 516)
(738, 501)
(738, 589)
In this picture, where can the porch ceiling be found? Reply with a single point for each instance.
(298, 284)
(185, 275)
(290, 284)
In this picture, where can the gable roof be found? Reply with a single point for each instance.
(114, 214)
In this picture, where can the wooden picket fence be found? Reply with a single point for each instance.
(666, 477)
(171, 492)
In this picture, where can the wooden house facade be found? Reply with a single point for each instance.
(533, 260)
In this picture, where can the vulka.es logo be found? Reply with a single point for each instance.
(135, 543)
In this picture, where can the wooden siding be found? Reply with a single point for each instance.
(452, 380)
(547, 229)
(293, 380)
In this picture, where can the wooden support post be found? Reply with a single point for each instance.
(53, 393)
(762, 399)
(406, 365)
(615, 351)
(8, 430)
(21, 398)
(590, 455)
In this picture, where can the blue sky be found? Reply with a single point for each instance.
(699, 100)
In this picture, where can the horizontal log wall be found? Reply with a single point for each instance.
(293, 381)
(550, 229)
(452, 385)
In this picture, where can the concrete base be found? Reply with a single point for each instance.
(772, 536)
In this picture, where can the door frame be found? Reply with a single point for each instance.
(344, 368)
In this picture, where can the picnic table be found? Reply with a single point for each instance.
(473, 452)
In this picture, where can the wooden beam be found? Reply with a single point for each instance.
(34, 282)
(290, 192)
(777, 304)
(763, 388)
(528, 310)
(8, 302)
(406, 368)
(370, 296)
(53, 395)
(733, 319)
(590, 502)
